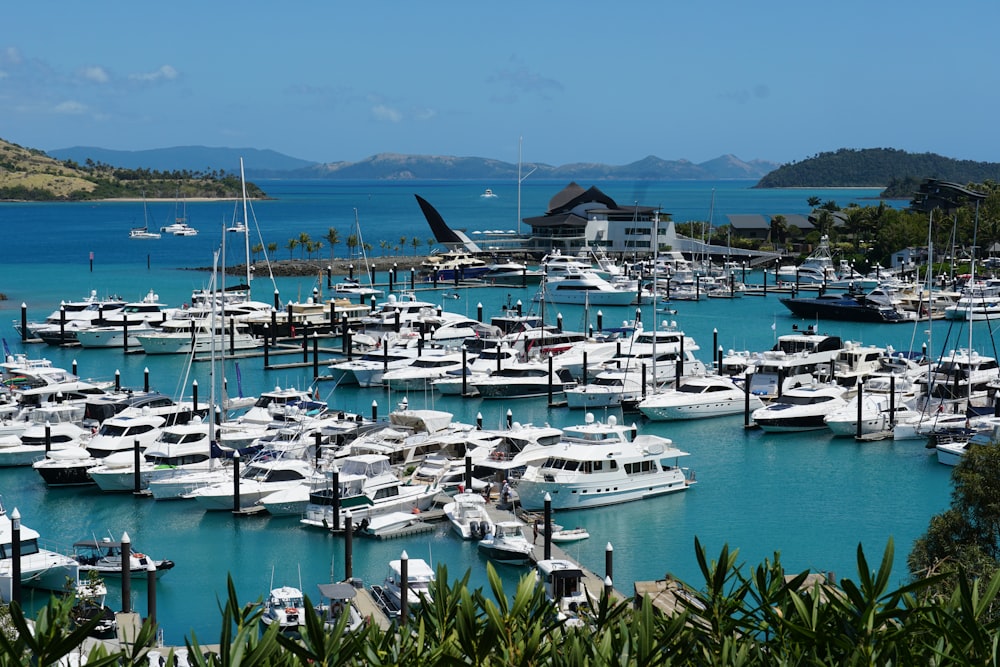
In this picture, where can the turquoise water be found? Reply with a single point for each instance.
(811, 497)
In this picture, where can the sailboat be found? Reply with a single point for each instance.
(143, 232)
(179, 227)
(352, 286)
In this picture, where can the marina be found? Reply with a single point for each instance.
(811, 496)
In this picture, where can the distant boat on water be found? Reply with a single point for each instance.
(489, 194)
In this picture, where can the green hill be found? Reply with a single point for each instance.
(877, 167)
(28, 174)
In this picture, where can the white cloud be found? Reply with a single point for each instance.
(95, 73)
(425, 114)
(382, 112)
(165, 73)
(70, 108)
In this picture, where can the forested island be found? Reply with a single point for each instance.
(897, 171)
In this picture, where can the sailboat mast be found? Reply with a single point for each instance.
(211, 370)
(246, 227)
(519, 140)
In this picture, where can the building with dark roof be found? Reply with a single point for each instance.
(579, 217)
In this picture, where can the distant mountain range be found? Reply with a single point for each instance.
(391, 166)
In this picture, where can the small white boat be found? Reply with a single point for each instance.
(105, 557)
(419, 577)
(507, 543)
(489, 194)
(284, 607)
(390, 524)
(564, 587)
(142, 233)
(468, 516)
(570, 535)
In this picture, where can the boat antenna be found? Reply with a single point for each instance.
(520, 179)
(361, 244)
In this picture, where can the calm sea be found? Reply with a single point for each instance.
(810, 497)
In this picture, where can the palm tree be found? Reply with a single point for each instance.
(779, 229)
(352, 243)
(256, 250)
(304, 241)
(333, 238)
(402, 244)
(272, 248)
(291, 246)
(824, 222)
(384, 245)
(814, 201)
(416, 244)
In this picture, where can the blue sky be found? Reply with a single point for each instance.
(579, 81)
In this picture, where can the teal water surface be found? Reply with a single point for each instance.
(810, 497)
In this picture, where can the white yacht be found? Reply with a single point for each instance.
(133, 317)
(419, 577)
(270, 405)
(800, 409)
(697, 397)
(959, 375)
(528, 379)
(468, 516)
(507, 543)
(197, 335)
(40, 567)
(879, 414)
(46, 432)
(366, 371)
(979, 301)
(257, 480)
(599, 464)
(482, 366)
(610, 389)
(796, 359)
(585, 287)
(367, 487)
(120, 434)
(86, 312)
(419, 374)
(816, 269)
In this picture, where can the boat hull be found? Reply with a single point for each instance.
(570, 496)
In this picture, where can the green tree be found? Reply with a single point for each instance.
(415, 242)
(352, 244)
(778, 231)
(291, 246)
(304, 242)
(272, 248)
(966, 536)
